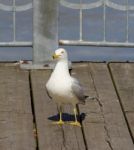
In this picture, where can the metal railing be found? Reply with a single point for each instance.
(13, 8)
(45, 26)
(100, 3)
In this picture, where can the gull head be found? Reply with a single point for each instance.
(60, 54)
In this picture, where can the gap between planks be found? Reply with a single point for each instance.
(120, 99)
(33, 112)
(66, 137)
(83, 133)
(110, 108)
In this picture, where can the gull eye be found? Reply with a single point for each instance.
(62, 52)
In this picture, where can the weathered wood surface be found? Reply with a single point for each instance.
(50, 136)
(16, 120)
(104, 125)
(123, 75)
(107, 124)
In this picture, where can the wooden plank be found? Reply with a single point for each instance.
(104, 125)
(123, 75)
(16, 120)
(52, 137)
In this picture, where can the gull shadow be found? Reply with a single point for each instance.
(68, 117)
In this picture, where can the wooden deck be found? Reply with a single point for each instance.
(107, 124)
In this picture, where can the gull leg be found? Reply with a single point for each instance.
(60, 122)
(75, 123)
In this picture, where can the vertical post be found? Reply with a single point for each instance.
(127, 23)
(45, 29)
(104, 20)
(81, 23)
(14, 20)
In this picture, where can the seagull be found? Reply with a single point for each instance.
(63, 88)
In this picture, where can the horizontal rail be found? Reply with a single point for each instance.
(71, 43)
(16, 44)
(80, 6)
(93, 5)
(98, 43)
(16, 8)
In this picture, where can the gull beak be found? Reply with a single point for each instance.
(55, 56)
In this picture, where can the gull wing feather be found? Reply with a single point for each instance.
(78, 91)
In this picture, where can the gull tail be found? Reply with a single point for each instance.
(93, 98)
(86, 98)
(90, 98)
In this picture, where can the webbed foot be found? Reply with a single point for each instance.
(75, 123)
(60, 122)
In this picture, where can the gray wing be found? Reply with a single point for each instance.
(78, 91)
